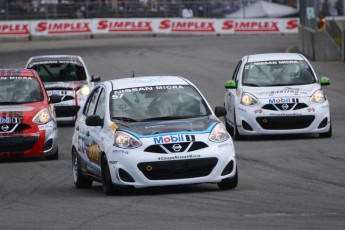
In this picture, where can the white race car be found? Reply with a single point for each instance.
(151, 131)
(276, 93)
(66, 76)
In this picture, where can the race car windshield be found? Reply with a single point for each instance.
(19, 90)
(277, 73)
(157, 103)
(52, 71)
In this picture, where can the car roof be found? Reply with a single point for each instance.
(54, 57)
(17, 72)
(274, 56)
(143, 81)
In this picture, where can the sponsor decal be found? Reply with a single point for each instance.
(287, 90)
(282, 100)
(284, 114)
(154, 126)
(58, 27)
(46, 126)
(187, 26)
(178, 157)
(14, 28)
(258, 111)
(120, 151)
(224, 145)
(113, 162)
(5, 128)
(113, 126)
(311, 110)
(125, 26)
(242, 110)
(251, 26)
(10, 120)
(93, 152)
(173, 139)
(15, 78)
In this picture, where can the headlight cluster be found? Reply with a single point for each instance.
(84, 90)
(42, 117)
(219, 133)
(318, 97)
(126, 141)
(248, 99)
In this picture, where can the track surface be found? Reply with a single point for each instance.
(287, 182)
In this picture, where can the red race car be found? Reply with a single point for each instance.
(27, 118)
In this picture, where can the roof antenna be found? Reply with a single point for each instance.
(133, 74)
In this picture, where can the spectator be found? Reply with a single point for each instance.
(321, 23)
(339, 7)
(187, 12)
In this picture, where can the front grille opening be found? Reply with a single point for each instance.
(177, 169)
(48, 145)
(246, 126)
(194, 146)
(323, 123)
(228, 168)
(124, 176)
(17, 144)
(285, 122)
(197, 145)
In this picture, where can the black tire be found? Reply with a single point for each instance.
(236, 135)
(55, 156)
(230, 183)
(327, 134)
(80, 181)
(228, 127)
(108, 187)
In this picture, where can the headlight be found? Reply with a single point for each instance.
(318, 97)
(219, 133)
(42, 117)
(248, 99)
(84, 90)
(126, 141)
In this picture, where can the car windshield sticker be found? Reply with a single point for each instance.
(54, 62)
(119, 93)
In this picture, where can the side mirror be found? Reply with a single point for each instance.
(93, 120)
(220, 111)
(231, 84)
(53, 99)
(95, 78)
(324, 81)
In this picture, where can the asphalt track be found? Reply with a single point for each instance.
(285, 182)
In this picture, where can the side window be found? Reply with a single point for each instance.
(91, 103)
(236, 71)
(100, 107)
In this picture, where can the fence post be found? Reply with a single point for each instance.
(343, 45)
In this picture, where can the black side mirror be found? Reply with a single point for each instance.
(220, 111)
(93, 120)
(53, 99)
(95, 78)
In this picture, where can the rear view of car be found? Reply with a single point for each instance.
(66, 76)
(27, 121)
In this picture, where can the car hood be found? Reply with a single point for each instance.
(283, 91)
(24, 112)
(192, 125)
(64, 84)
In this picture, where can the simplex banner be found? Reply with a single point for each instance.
(148, 26)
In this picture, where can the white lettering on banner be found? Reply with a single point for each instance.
(187, 26)
(58, 27)
(14, 28)
(125, 26)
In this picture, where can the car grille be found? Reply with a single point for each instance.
(177, 169)
(286, 122)
(18, 143)
(66, 111)
(285, 106)
(169, 148)
(16, 128)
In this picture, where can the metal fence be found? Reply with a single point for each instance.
(63, 9)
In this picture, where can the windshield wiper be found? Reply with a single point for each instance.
(128, 119)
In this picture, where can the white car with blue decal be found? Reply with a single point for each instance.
(276, 93)
(151, 131)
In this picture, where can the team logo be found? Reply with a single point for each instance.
(5, 128)
(285, 106)
(177, 147)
